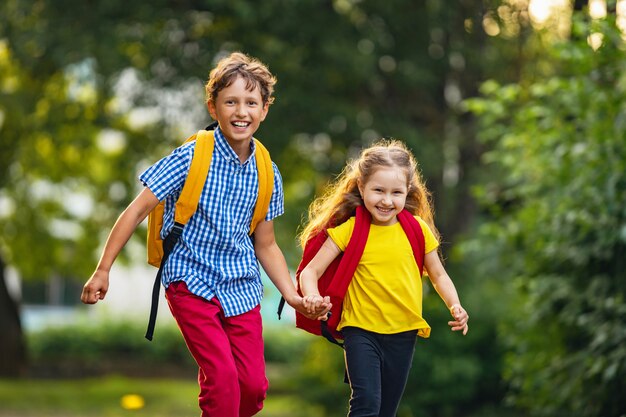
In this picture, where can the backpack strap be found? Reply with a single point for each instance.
(154, 243)
(414, 232)
(345, 272)
(187, 202)
(352, 254)
(266, 184)
(185, 207)
(335, 280)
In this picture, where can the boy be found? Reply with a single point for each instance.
(212, 278)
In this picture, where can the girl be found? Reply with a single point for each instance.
(382, 309)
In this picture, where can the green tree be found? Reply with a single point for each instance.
(556, 234)
(92, 92)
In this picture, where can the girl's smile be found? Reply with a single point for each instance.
(384, 194)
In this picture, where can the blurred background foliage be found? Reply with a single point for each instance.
(514, 108)
(558, 222)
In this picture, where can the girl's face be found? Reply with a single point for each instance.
(384, 194)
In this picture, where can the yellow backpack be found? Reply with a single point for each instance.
(187, 203)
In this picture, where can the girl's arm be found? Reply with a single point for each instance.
(445, 288)
(274, 264)
(314, 270)
(97, 286)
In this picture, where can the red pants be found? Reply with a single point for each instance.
(228, 351)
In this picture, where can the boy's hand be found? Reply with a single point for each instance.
(96, 287)
(460, 319)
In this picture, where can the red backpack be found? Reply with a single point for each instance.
(335, 280)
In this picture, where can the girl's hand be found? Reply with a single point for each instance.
(316, 305)
(313, 313)
(460, 319)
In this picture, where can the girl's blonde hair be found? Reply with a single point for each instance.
(342, 197)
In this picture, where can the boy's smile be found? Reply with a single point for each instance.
(239, 112)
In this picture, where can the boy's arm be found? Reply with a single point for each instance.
(273, 262)
(96, 287)
(445, 288)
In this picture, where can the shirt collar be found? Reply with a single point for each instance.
(226, 151)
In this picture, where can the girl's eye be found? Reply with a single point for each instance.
(252, 103)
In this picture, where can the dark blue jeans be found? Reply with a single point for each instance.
(378, 367)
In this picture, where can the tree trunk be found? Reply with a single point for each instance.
(580, 4)
(12, 345)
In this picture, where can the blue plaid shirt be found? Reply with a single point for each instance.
(215, 255)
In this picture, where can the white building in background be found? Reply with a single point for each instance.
(57, 301)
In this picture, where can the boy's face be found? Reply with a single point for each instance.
(239, 112)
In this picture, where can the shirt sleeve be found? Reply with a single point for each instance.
(342, 233)
(168, 174)
(277, 202)
(430, 241)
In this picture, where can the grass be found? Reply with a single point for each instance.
(115, 396)
(100, 397)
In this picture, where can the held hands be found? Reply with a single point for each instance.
(460, 319)
(316, 306)
(96, 287)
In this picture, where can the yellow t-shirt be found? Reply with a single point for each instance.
(385, 294)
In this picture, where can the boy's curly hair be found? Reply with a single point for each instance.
(238, 64)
